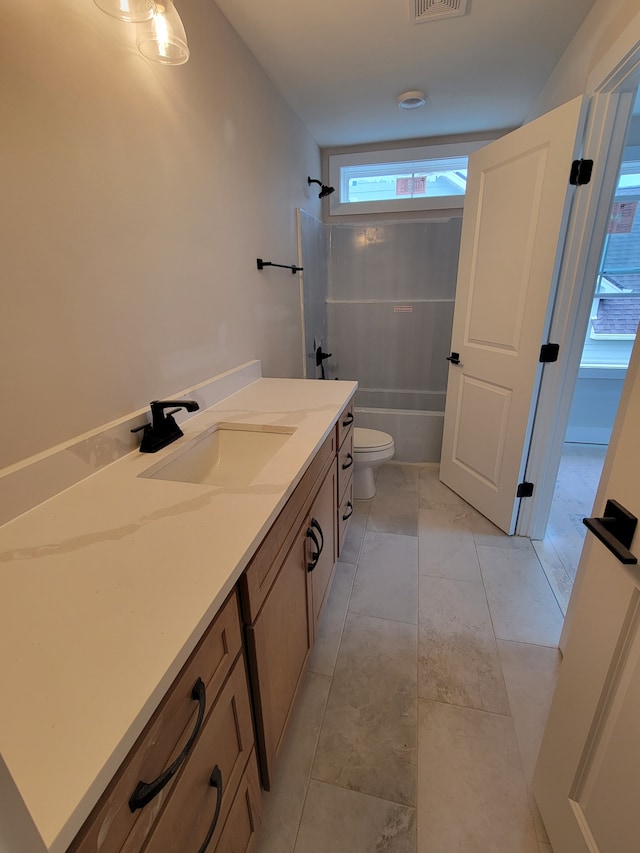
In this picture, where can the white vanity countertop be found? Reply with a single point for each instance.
(106, 588)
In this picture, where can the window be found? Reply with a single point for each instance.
(428, 178)
(616, 304)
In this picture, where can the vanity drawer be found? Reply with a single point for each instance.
(345, 422)
(261, 572)
(345, 464)
(241, 827)
(345, 511)
(193, 812)
(164, 738)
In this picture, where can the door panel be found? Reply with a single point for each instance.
(516, 210)
(587, 780)
(511, 194)
(482, 425)
(606, 790)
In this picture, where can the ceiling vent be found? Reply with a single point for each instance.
(428, 10)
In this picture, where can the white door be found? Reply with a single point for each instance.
(515, 216)
(587, 781)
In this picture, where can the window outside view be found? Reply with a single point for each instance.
(420, 179)
(616, 305)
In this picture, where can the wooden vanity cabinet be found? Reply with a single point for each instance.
(198, 808)
(206, 721)
(282, 593)
(278, 643)
(210, 725)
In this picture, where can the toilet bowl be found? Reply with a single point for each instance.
(371, 448)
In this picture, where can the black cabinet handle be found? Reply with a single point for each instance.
(350, 513)
(146, 791)
(349, 463)
(318, 543)
(314, 557)
(454, 358)
(348, 420)
(316, 525)
(615, 530)
(216, 782)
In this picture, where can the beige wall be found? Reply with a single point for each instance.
(600, 29)
(136, 199)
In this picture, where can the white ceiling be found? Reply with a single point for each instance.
(341, 64)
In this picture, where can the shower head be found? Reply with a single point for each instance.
(324, 190)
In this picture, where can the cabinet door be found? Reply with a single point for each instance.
(278, 644)
(321, 544)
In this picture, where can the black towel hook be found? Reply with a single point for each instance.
(294, 269)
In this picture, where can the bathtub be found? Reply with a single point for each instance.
(416, 431)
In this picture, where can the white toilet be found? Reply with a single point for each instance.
(371, 448)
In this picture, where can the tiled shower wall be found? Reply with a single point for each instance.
(390, 312)
(389, 292)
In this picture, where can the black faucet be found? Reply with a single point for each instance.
(163, 429)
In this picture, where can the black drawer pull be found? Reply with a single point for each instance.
(216, 782)
(615, 530)
(349, 463)
(319, 544)
(316, 525)
(314, 557)
(348, 420)
(350, 513)
(146, 791)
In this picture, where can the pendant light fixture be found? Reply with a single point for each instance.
(162, 38)
(130, 11)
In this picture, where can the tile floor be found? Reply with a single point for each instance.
(418, 723)
(559, 552)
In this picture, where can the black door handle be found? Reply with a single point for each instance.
(615, 530)
(454, 358)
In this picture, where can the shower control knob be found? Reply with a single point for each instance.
(321, 356)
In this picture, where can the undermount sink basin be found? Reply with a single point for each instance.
(229, 455)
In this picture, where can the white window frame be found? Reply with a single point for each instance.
(338, 207)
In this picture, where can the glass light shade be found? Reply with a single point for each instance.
(163, 38)
(131, 11)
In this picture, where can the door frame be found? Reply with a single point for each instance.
(611, 88)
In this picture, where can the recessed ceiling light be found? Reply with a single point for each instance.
(412, 100)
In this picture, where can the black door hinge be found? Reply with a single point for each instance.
(580, 172)
(549, 353)
(525, 490)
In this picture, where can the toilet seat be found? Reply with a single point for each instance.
(370, 440)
